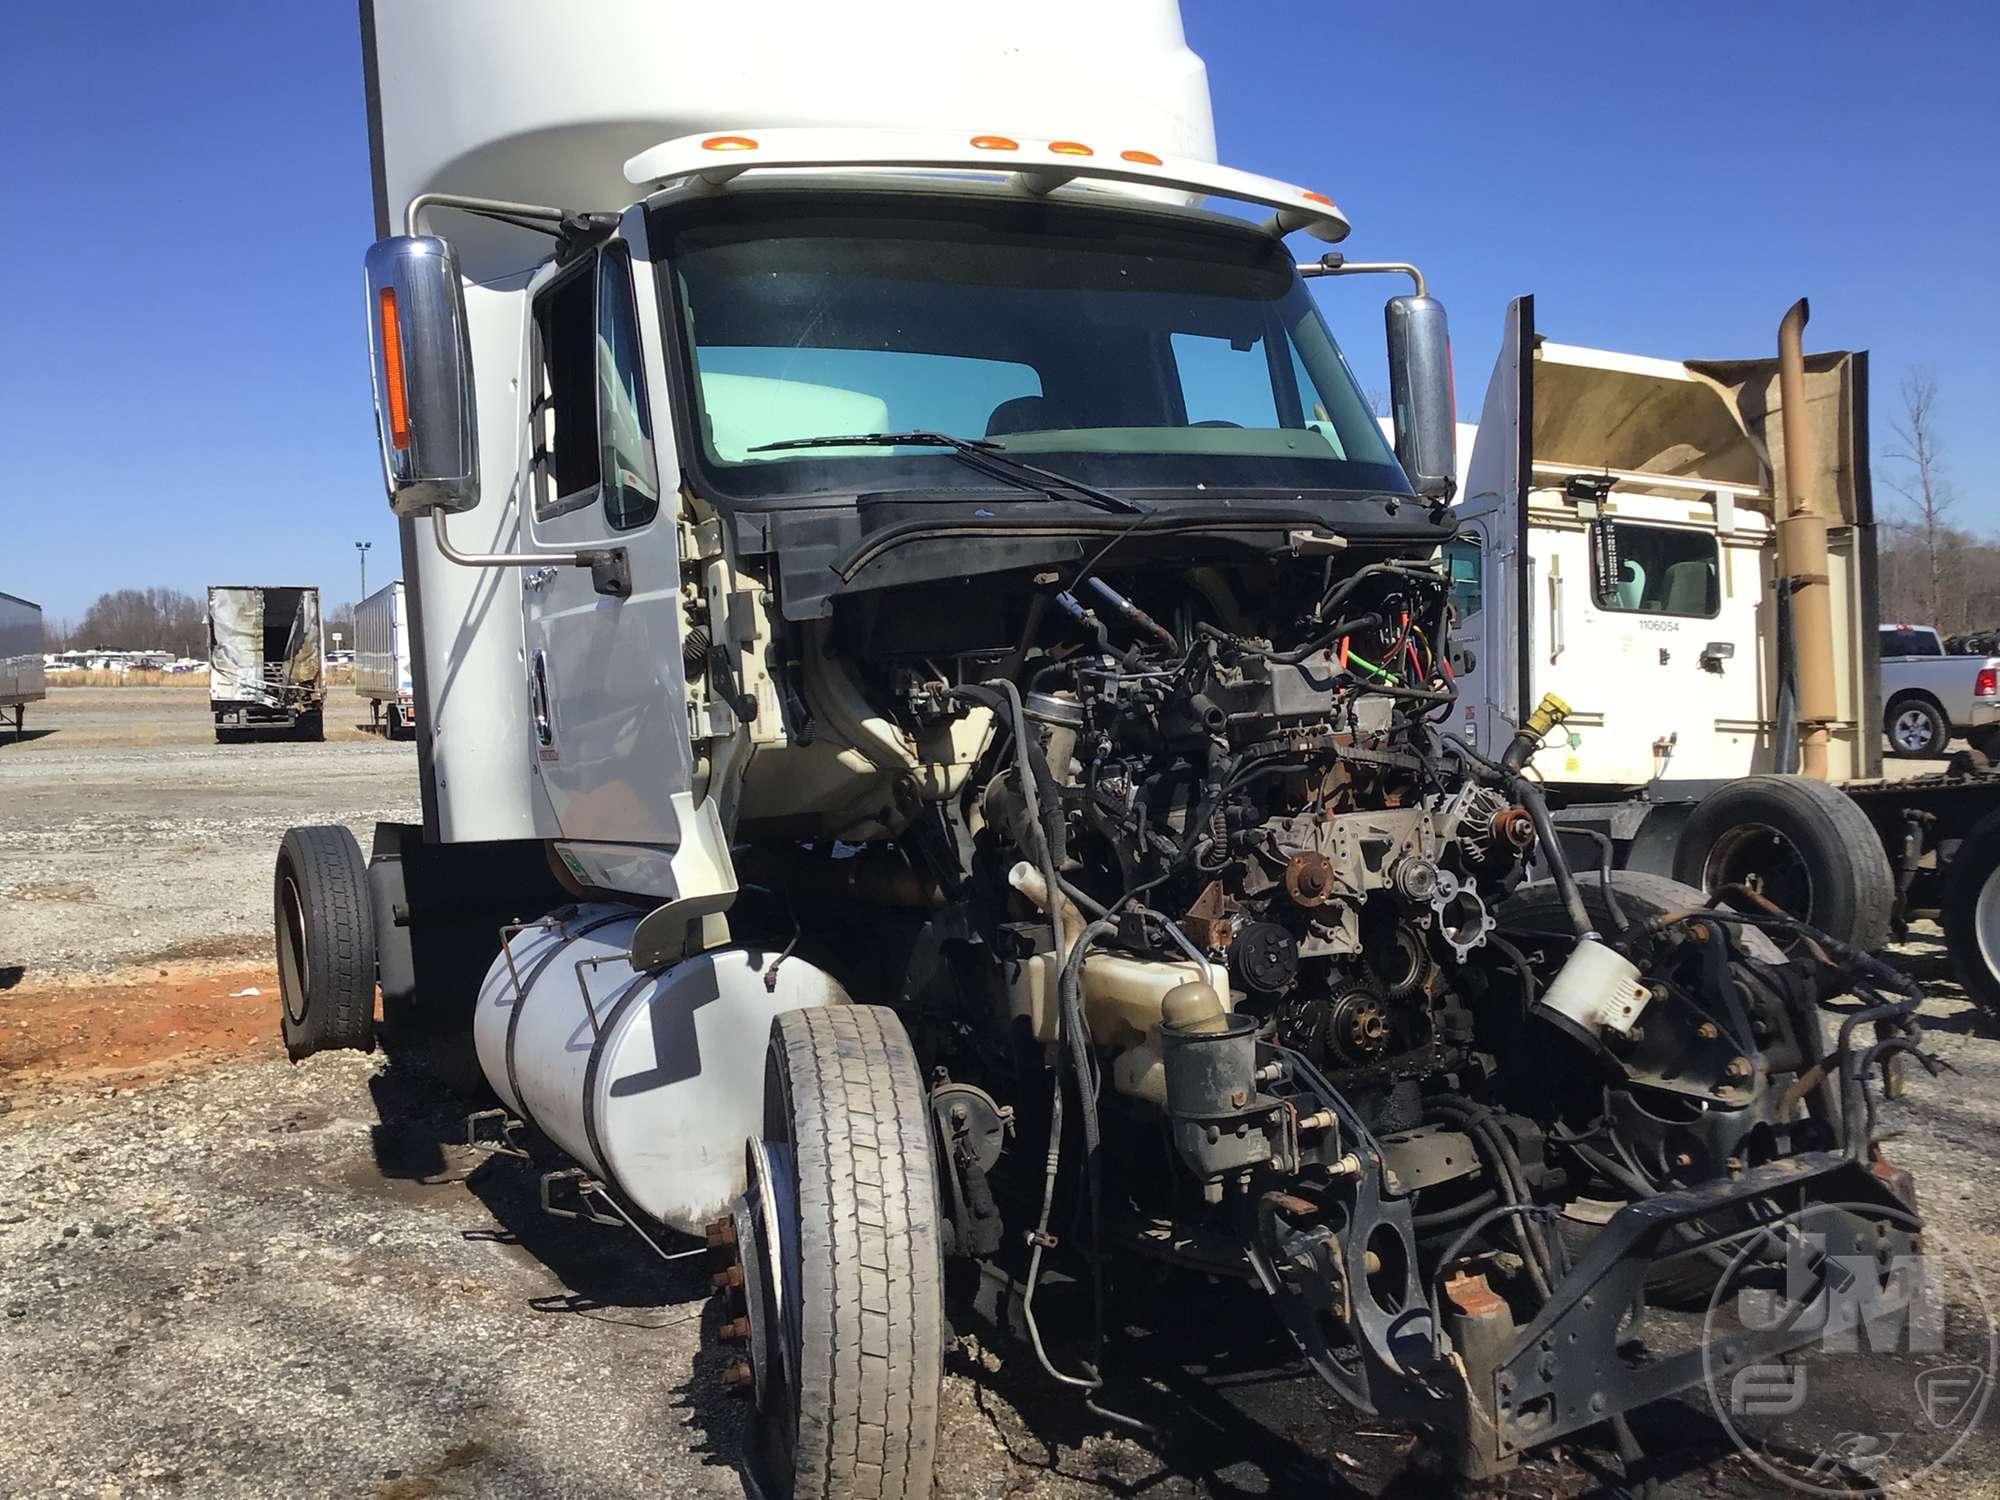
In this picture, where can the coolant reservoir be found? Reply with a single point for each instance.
(1124, 998)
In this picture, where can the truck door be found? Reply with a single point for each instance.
(1492, 641)
(607, 698)
(1644, 600)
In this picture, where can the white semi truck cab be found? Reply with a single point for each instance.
(1618, 546)
(929, 687)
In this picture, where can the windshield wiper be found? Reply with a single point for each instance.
(987, 458)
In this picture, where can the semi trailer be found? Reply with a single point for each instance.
(382, 675)
(21, 648)
(266, 661)
(1621, 543)
(935, 695)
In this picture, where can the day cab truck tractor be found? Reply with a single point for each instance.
(931, 681)
(1683, 553)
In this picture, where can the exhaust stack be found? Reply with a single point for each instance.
(1802, 554)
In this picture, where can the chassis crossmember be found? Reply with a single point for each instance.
(1491, 1388)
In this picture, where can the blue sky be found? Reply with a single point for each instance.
(184, 396)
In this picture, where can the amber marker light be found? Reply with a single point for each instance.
(393, 387)
(1144, 158)
(1318, 198)
(1070, 148)
(729, 143)
(995, 143)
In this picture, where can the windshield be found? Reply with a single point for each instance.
(1111, 346)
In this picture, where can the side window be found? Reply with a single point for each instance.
(1659, 570)
(1461, 561)
(563, 419)
(592, 431)
(1222, 385)
(624, 425)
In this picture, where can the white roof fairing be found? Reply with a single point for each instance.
(537, 102)
(1034, 167)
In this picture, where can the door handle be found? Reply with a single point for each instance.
(538, 697)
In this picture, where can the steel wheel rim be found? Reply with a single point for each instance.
(291, 945)
(1743, 856)
(1986, 921)
(1912, 730)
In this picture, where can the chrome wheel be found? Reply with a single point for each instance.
(1912, 731)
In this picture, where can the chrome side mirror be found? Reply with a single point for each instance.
(422, 359)
(1421, 396)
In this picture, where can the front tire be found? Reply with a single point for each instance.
(326, 942)
(853, 1413)
(1917, 729)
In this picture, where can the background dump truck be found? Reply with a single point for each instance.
(21, 647)
(382, 660)
(1622, 544)
(948, 686)
(266, 661)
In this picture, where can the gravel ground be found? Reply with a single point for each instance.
(127, 833)
(222, 1275)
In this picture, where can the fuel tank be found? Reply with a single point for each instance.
(651, 1081)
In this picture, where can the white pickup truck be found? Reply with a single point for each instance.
(1928, 696)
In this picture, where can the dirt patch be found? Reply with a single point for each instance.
(57, 1038)
(50, 890)
(221, 946)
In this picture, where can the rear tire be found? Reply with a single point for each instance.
(1971, 913)
(863, 1323)
(1808, 846)
(325, 941)
(1917, 729)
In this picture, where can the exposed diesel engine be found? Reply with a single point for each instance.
(1281, 804)
(1227, 872)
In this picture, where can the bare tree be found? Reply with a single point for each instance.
(342, 620)
(1927, 491)
(156, 619)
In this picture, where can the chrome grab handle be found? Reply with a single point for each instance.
(538, 693)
